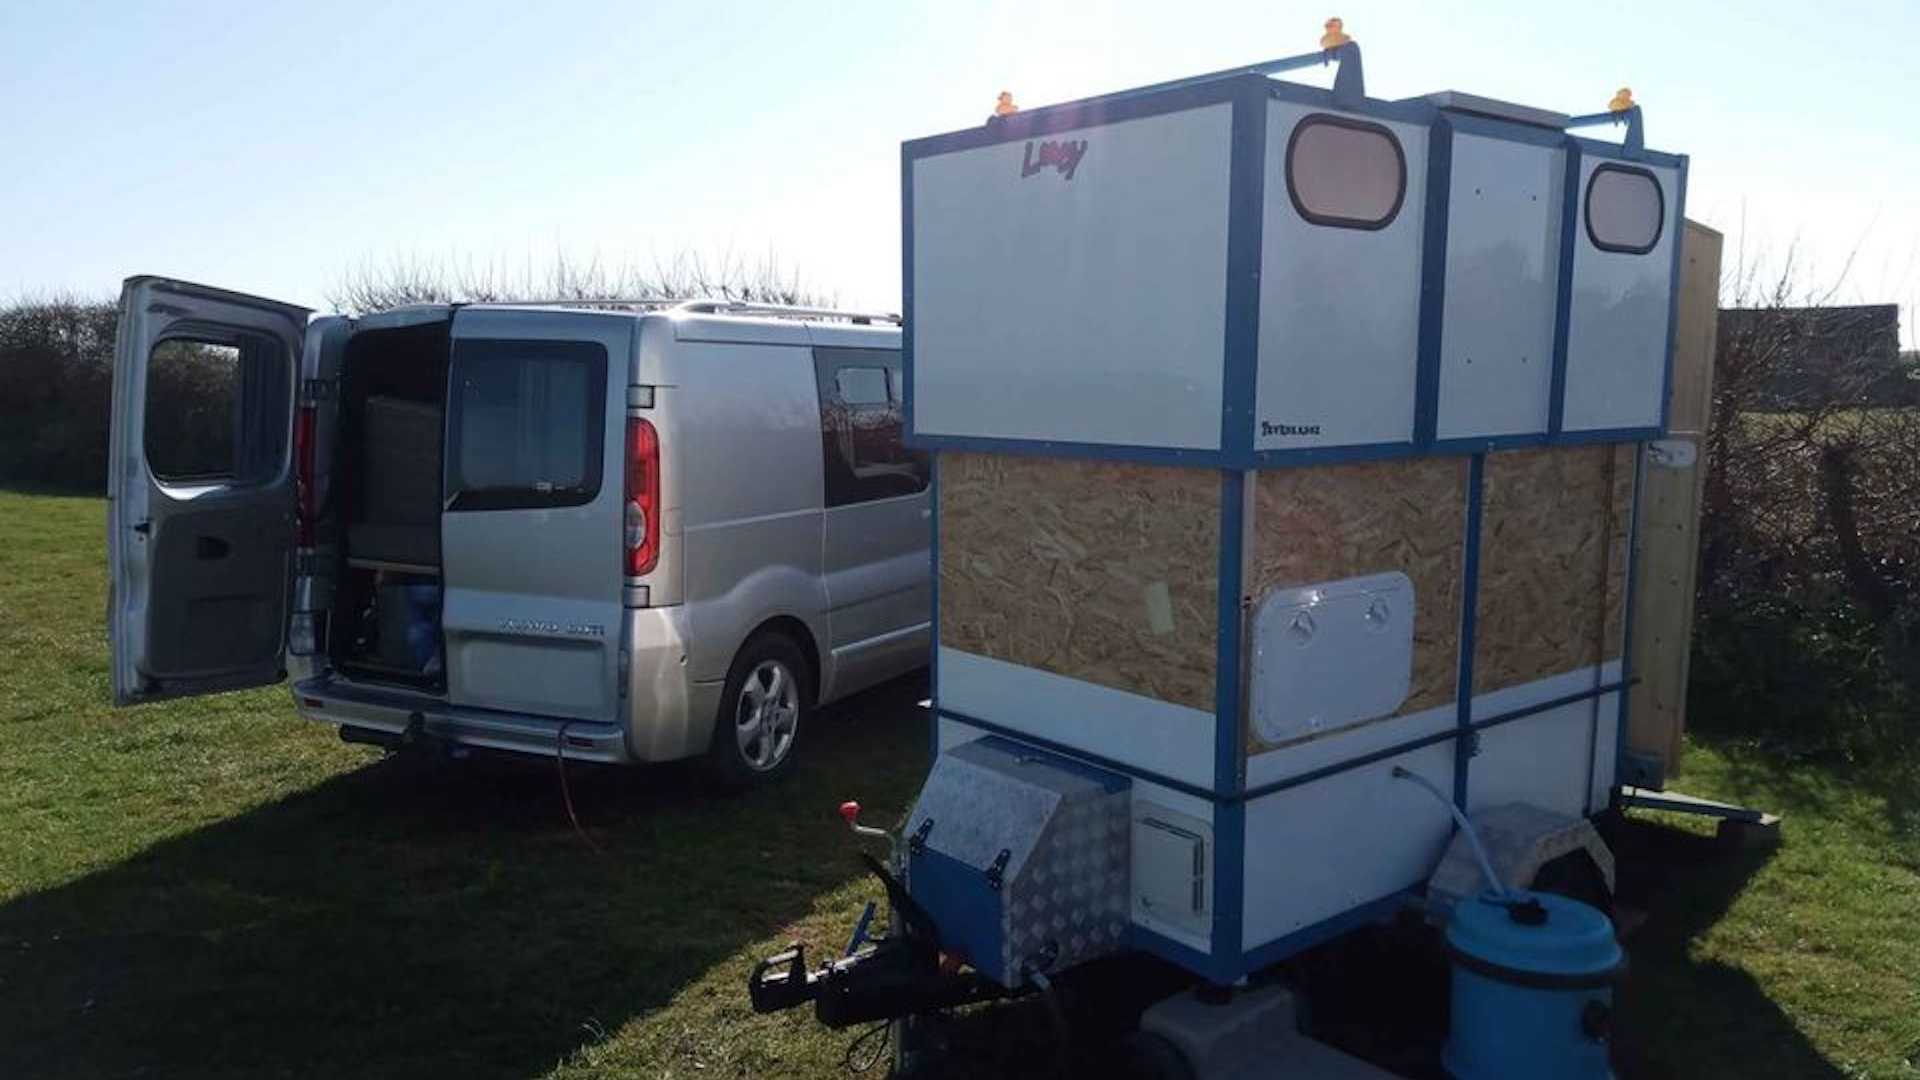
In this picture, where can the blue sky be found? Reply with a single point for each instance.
(274, 147)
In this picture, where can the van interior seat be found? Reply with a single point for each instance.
(400, 518)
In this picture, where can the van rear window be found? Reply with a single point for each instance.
(216, 410)
(526, 425)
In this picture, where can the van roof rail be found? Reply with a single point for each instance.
(591, 302)
(709, 306)
(783, 311)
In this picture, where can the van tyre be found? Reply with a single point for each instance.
(763, 709)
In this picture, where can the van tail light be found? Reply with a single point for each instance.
(643, 497)
(303, 487)
(303, 634)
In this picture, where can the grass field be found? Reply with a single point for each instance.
(215, 888)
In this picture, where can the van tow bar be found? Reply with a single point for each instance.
(882, 976)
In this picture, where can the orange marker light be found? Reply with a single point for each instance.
(1622, 100)
(1335, 36)
(1004, 106)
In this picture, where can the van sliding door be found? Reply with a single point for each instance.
(877, 522)
(531, 533)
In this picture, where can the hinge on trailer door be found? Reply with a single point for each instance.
(317, 389)
(996, 874)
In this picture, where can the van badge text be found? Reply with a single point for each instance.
(1063, 155)
(541, 626)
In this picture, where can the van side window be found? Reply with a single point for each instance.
(216, 410)
(861, 386)
(862, 428)
(526, 424)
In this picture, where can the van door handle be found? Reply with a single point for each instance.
(143, 528)
(210, 547)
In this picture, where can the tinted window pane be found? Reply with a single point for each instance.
(1345, 172)
(862, 428)
(529, 424)
(1625, 209)
(862, 385)
(216, 410)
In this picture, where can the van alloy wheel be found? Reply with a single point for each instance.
(766, 715)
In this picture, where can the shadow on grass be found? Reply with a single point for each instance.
(413, 919)
(1381, 993)
(1683, 1017)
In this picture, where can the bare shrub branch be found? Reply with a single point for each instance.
(412, 279)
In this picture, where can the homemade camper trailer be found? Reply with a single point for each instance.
(1286, 444)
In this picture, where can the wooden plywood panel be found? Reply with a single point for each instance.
(1549, 542)
(1326, 524)
(1620, 524)
(1102, 571)
(1690, 400)
(1668, 541)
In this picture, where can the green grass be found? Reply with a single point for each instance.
(215, 888)
(1799, 962)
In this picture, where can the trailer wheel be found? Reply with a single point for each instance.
(763, 710)
(1142, 1055)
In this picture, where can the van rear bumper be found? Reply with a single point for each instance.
(335, 701)
(671, 715)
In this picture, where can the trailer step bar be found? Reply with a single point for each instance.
(1680, 803)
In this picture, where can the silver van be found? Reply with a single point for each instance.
(614, 532)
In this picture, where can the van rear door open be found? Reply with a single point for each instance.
(200, 518)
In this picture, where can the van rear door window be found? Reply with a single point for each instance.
(216, 410)
(527, 424)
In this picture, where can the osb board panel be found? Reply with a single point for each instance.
(1550, 539)
(1663, 611)
(1326, 524)
(1101, 571)
(1619, 524)
(1690, 399)
(1669, 536)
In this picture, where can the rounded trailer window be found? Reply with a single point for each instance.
(1626, 209)
(1345, 173)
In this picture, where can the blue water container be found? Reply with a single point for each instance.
(1533, 978)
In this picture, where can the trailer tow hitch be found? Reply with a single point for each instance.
(894, 975)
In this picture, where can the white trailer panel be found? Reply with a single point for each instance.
(1072, 286)
(1339, 303)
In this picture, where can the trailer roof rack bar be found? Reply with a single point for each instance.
(1628, 113)
(1349, 83)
